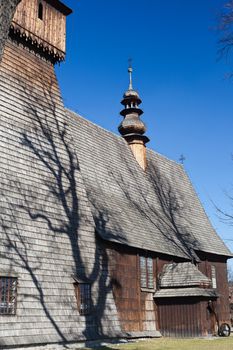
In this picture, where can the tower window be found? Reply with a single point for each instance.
(8, 293)
(40, 11)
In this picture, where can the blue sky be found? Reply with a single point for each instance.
(187, 100)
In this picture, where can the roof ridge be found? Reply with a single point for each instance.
(196, 194)
(91, 122)
(119, 136)
(166, 157)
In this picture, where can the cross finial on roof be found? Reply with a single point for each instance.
(182, 159)
(130, 70)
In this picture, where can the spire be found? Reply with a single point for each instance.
(130, 71)
(132, 127)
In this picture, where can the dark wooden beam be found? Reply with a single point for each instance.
(60, 7)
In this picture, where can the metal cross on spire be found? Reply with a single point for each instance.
(130, 70)
(182, 159)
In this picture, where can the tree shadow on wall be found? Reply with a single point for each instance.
(159, 202)
(50, 201)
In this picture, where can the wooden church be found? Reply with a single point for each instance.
(101, 237)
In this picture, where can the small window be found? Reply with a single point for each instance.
(146, 272)
(40, 11)
(83, 297)
(8, 294)
(213, 277)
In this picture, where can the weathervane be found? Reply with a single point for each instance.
(130, 70)
(182, 159)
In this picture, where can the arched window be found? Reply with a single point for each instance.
(40, 11)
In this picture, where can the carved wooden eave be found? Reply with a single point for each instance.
(34, 43)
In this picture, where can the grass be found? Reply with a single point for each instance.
(175, 344)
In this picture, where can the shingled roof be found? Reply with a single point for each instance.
(182, 275)
(157, 210)
(186, 292)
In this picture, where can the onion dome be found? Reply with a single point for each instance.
(132, 126)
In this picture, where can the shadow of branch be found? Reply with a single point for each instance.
(54, 202)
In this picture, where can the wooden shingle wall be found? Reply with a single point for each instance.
(47, 231)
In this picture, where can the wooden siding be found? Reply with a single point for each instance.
(180, 317)
(126, 289)
(186, 317)
(136, 307)
(223, 306)
(51, 31)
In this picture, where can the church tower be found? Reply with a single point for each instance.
(40, 25)
(132, 127)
